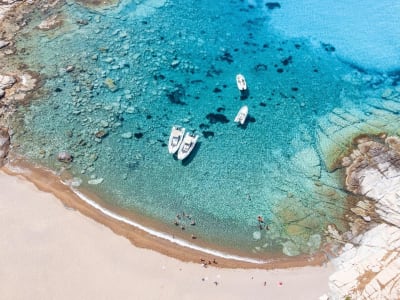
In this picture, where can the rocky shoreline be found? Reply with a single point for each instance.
(368, 263)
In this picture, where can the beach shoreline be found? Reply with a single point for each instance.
(144, 233)
(47, 246)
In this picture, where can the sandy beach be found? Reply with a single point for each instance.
(49, 251)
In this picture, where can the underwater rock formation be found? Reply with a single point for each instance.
(4, 144)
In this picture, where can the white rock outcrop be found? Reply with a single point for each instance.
(369, 266)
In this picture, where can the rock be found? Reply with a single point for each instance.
(82, 22)
(109, 83)
(96, 181)
(175, 63)
(2, 93)
(127, 135)
(373, 265)
(4, 144)
(104, 124)
(6, 81)
(50, 23)
(101, 134)
(333, 232)
(28, 82)
(290, 248)
(387, 93)
(4, 44)
(256, 235)
(69, 69)
(368, 269)
(74, 182)
(65, 157)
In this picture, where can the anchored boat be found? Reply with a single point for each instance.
(175, 138)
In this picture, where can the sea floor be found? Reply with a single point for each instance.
(115, 81)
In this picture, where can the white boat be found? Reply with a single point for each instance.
(188, 143)
(175, 138)
(242, 115)
(241, 82)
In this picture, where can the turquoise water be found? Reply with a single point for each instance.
(139, 69)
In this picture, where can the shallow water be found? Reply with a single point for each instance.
(175, 62)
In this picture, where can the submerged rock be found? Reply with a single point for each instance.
(65, 157)
(101, 134)
(4, 144)
(127, 135)
(110, 84)
(95, 181)
(50, 23)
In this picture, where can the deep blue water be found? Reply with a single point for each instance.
(176, 64)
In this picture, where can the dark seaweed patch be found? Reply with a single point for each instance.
(208, 134)
(217, 118)
(226, 56)
(133, 165)
(148, 117)
(58, 90)
(217, 90)
(160, 76)
(272, 5)
(176, 95)
(261, 67)
(328, 47)
(204, 126)
(138, 135)
(287, 60)
(213, 71)
(263, 104)
(295, 89)
(279, 70)
(297, 46)
(220, 109)
(197, 81)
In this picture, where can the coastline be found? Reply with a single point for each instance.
(54, 251)
(146, 234)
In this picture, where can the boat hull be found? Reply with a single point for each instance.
(241, 82)
(175, 139)
(242, 115)
(187, 146)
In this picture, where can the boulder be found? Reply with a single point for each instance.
(50, 23)
(6, 81)
(65, 157)
(110, 84)
(4, 43)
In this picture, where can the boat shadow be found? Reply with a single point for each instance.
(244, 94)
(192, 154)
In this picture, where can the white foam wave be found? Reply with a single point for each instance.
(165, 236)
